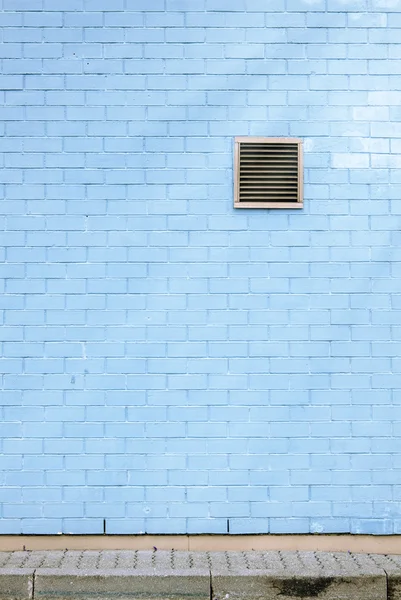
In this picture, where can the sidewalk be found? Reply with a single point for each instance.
(165, 575)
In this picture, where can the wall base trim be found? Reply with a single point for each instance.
(376, 544)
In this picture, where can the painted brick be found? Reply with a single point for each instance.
(154, 337)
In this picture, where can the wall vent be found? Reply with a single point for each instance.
(268, 173)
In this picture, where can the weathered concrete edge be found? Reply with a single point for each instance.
(17, 584)
(306, 584)
(72, 583)
(46, 584)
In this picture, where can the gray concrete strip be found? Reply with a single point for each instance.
(16, 583)
(173, 575)
(106, 559)
(72, 584)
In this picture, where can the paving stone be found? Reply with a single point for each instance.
(123, 574)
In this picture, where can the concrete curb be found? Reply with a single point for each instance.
(16, 584)
(391, 565)
(50, 584)
(258, 586)
(163, 575)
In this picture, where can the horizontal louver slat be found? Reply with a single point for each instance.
(268, 172)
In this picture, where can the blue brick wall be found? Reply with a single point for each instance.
(170, 365)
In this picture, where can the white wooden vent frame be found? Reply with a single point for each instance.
(268, 172)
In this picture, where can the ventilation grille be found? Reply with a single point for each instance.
(268, 173)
